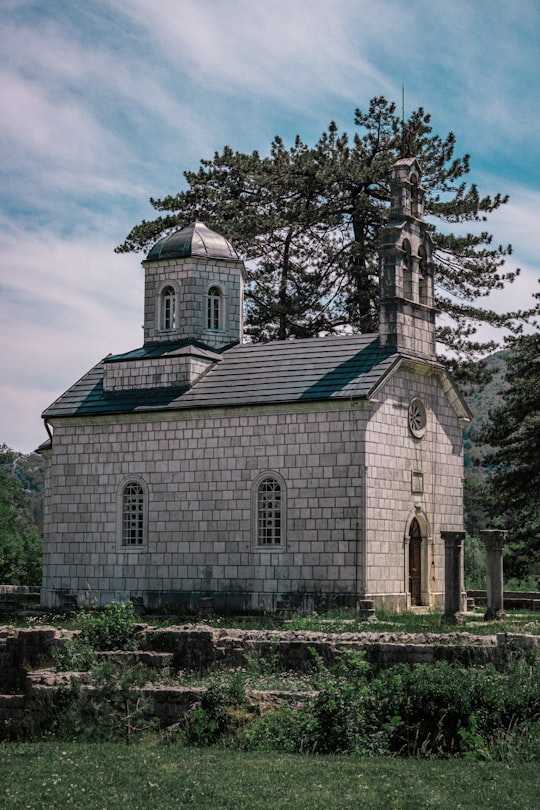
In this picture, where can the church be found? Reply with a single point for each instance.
(316, 472)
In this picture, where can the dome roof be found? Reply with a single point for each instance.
(193, 240)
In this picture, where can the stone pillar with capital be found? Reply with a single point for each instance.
(453, 576)
(494, 541)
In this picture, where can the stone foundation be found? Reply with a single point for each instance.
(26, 688)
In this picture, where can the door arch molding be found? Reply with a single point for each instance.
(418, 559)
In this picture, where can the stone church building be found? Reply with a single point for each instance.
(319, 472)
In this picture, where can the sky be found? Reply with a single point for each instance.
(105, 103)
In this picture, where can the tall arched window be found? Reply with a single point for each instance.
(168, 308)
(414, 195)
(133, 514)
(407, 270)
(422, 281)
(214, 308)
(269, 512)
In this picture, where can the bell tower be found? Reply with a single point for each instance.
(407, 311)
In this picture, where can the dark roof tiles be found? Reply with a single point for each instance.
(248, 374)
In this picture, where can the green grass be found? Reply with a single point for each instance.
(342, 621)
(107, 776)
(336, 621)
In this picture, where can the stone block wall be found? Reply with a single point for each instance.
(201, 473)
(353, 478)
(192, 278)
(408, 477)
(163, 372)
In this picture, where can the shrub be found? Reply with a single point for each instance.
(430, 710)
(114, 707)
(109, 628)
(75, 655)
(221, 714)
(288, 730)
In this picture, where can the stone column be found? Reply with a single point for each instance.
(494, 541)
(453, 576)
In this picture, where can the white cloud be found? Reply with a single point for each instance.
(282, 50)
(65, 304)
(105, 103)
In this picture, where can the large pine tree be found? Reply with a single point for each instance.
(306, 220)
(514, 464)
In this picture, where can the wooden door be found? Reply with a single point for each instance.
(415, 563)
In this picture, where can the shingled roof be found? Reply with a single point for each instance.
(249, 374)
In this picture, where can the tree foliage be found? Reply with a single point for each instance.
(514, 433)
(306, 220)
(20, 536)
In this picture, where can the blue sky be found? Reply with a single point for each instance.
(105, 103)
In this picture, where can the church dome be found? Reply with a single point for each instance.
(193, 240)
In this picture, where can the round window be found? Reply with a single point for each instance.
(417, 418)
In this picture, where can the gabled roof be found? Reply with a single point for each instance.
(257, 373)
(331, 368)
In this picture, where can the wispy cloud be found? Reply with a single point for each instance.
(64, 304)
(106, 103)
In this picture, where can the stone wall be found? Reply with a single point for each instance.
(353, 478)
(26, 689)
(191, 279)
(201, 476)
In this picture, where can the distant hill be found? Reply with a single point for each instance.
(481, 399)
(29, 470)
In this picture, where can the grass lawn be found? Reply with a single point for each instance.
(107, 776)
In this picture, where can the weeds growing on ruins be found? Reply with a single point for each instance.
(340, 706)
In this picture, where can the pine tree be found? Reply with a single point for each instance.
(514, 433)
(307, 219)
(20, 537)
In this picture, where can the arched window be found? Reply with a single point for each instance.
(269, 512)
(168, 308)
(422, 281)
(407, 270)
(214, 308)
(133, 514)
(414, 195)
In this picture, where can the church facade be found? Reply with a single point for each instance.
(319, 472)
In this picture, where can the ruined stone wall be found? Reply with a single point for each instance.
(26, 689)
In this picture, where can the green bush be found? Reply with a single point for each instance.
(75, 655)
(221, 714)
(288, 730)
(444, 709)
(114, 708)
(109, 628)
(429, 710)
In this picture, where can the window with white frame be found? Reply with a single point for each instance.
(168, 308)
(214, 316)
(269, 512)
(133, 504)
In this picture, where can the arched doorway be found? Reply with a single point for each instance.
(415, 563)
